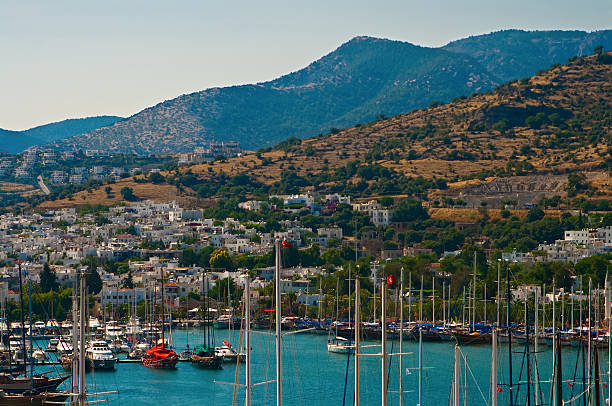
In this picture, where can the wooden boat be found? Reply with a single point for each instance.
(472, 338)
(160, 357)
(20, 384)
(206, 357)
(26, 399)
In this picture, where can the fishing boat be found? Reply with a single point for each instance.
(340, 345)
(100, 355)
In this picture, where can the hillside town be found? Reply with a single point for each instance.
(153, 238)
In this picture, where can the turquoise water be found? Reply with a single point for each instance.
(312, 376)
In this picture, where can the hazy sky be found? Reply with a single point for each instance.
(63, 59)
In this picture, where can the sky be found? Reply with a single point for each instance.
(66, 58)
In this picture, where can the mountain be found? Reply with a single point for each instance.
(17, 141)
(543, 136)
(362, 79)
(516, 54)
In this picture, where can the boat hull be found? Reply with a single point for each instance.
(207, 361)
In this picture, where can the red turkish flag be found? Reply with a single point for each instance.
(390, 279)
(286, 244)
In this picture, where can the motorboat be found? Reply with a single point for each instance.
(100, 355)
(228, 353)
(113, 331)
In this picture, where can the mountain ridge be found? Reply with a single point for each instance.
(358, 81)
(543, 136)
(17, 141)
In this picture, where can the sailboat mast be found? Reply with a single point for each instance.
(75, 363)
(509, 331)
(527, 353)
(383, 334)
(82, 311)
(474, 296)
(498, 289)
(247, 340)
(401, 339)
(433, 300)
(277, 277)
(589, 340)
(609, 339)
(457, 371)
(494, 368)
(31, 343)
(357, 337)
(163, 319)
(23, 340)
(421, 344)
(535, 347)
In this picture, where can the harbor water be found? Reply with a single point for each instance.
(312, 376)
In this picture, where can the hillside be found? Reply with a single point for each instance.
(524, 137)
(362, 79)
(17, 141)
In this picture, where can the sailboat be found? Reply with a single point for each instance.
(160, 356)
(205, 355)
(29, 389)
(338, 345)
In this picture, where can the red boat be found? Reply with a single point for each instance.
(160, 357)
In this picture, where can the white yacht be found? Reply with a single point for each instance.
(93, 323)
(113, 331)
(100, 355)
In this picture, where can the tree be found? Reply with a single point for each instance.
(48, 279)
(535, 214)
(575, 183)
(221, 259)
(410, 210)
(128, 282)
(128, 194)
(94, 282)
(598, 50)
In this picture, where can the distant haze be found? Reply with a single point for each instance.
(66, 59)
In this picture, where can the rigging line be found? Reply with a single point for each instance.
(473, 377)
(575, 371)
